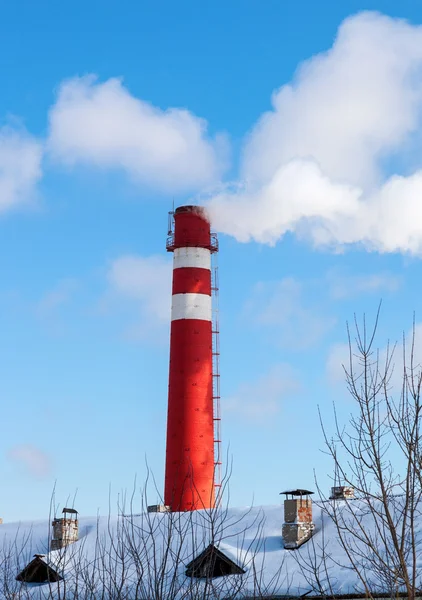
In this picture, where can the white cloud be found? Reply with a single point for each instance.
(338, 358)
(20, 167)
(281, 307)
(346, 107)
(348, 285)
(314, 164)
(146, 282)
(262, 399)
(102, 124)
(34, 461)
(60, 294)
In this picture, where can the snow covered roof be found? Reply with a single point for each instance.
(152, 550)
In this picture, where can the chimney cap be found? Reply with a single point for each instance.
(188, 208)
(298, 492)
(72, 511)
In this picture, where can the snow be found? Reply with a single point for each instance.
(149, 552)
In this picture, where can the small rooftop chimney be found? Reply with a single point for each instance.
(158, 508)
(342, 492)
(65, 530)
(298, 526)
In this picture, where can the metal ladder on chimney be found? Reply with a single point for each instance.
(216, 380)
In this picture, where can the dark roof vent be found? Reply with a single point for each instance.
(212, 563)
(38, 571)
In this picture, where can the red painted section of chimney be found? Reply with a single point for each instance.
(189, 478)
(193, 279)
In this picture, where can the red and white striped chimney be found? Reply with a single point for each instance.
(189, 478)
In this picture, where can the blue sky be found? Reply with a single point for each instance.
(111, 110)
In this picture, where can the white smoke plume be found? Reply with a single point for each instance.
(337, 160)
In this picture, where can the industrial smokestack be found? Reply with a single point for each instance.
(189, 478)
